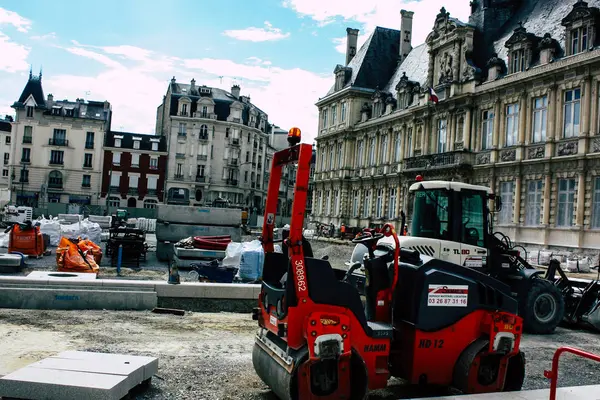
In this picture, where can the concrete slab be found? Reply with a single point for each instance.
(76, 299)
(184, 289)
(150, 364)
(49, 384)
(567, 393)
(53, 275)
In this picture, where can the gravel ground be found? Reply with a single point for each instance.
(208, 356)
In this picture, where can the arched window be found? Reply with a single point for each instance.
(132, 202)
(204, 130)
(150, 203)
(198, 195)
(55, 180)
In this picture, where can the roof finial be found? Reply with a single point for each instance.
(30, 71)
(40, 73)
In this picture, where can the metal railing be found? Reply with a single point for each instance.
(58, 142)
(553, 373)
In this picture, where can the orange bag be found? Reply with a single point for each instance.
(88, 245)
(70, 257)
(27, 240)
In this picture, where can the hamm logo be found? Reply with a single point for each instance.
(375, 348)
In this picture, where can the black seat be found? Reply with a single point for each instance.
(379, 279)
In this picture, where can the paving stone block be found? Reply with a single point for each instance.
(150, 364)
(63, 276)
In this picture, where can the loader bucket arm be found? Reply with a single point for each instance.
(300, 154)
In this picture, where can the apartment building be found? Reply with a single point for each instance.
(134, 170)
(509, 100)
(56, 148)
(217, 145)
(5, 148)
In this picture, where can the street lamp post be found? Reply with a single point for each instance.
(23, 169)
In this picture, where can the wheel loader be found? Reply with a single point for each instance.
(424, 320)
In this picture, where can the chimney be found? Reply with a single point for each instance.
(50, 100)
(173, 81)
(405, 33)
(235, 91)
(192, 84)
(351, 42)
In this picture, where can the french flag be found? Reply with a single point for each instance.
(433, 96)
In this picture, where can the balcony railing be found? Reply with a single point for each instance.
(231, 182)
(152, 192)
(27, 139)
(178, 177)
(132, 190)
(55, 185)
(235, 142)
(203, 136)
(201, 178)
(87, 165)
(153, 166)
(439, 160)
(89, 145)
(57, 162)
(86, 185)
(58, 142)
(25, 160)
(202, 157)
(180, 155)
(24, 180)
(233, 161)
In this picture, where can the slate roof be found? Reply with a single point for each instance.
(539, 17)
(5, 126)
(378, 56)
(33, 88)
(222, 99)
(127, 141)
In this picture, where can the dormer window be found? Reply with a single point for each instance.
(118, 141)
(154, 146)
(136, 143)
(377, 109)
(517, 58)
(522, 50)
(204, 112)
(580, 25)
(56, 110)
(29, 112)
(184, 109)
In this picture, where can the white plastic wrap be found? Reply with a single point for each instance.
(4, 238)
(91, 231)
(233, 253)
(71, 231)
(50, 227)
(579, 265)
(251, 261)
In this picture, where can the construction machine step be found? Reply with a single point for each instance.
(591, 392)
(380, 330)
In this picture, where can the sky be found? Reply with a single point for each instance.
(282, 53)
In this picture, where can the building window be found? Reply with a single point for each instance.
(392, 203)
(360, 153)
(204, 132)
(367, 204)
(136, 144)
(327, 202)
(336, 202)
(29, 110)
(5, 173)
(512, 124)
(409, 143)
(507, 195)
(442, 138)
(56, 157)
(135, 159)
(86, 181)
(154, 146)
(89, 140)
(55, 180)
(179, 172)
(517, 63)
(59, 137)
(372, 151)
(572, 113)
(26, 155)
(116, 158)
(87, 160)
(596, 204)
(133, 181)
(343, 113)
(355, 210)
(7, 140)
(487, 130)
(533, 209)
(333, 114)
(150, 203)
(28, 134)
(540, 117)
(397, 147)
(340, 152)
(331, 157)
(152, 183)
(24, 176)
(204, 112)
(325, 118)
(115, 180)
(6, 158)
(566, 202)
(182, 129)
(579, 40)
(384, 148)
(379, 204)
(113, 202)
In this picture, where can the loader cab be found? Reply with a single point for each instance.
(451, 211)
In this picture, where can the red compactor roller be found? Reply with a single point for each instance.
(424, 320)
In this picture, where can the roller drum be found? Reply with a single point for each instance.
(273, 374)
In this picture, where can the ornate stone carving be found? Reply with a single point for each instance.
(379, 170)
(394, 168)
(482, 158)
(567, 149)
(459, 146)
(536, 152)
(580, 11)
(596, 145)
(445, 74)
(508, 155)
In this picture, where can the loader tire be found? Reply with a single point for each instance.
(544, 307)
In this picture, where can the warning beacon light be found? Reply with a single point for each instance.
(419, 178)
(294, 136)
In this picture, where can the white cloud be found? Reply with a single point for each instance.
(136, 84)
(48, 36)
(12, 18)
(366, 15)
(253, 34)
(14, 55)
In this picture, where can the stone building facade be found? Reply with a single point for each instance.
(498, 102)
(56, 148)
(217, 143)
(5, 148)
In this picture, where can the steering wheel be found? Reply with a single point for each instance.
(353, 268)
(364, 237)
(467, 221)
